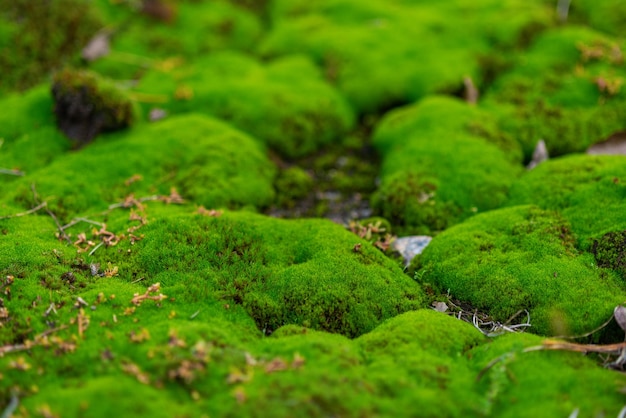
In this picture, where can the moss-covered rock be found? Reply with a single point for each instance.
(356, 41)
(207, 161)
(521, 258)
(36, 38)
(285, 103)
(86, 105)
(443, 160)
(588, 190)
(566, 90)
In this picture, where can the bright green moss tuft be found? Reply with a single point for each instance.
(381, 53)
(603, 15)
(541, 383)
(282, 272)
(566, 90)
(29, 138)
(426, 351)
(105, 397)
(588, 190)
(207, 161)
(285, 103)
(440, 165)
(190, 30)
(521, 258)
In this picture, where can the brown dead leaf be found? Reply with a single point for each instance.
(134, 370)
(209, 212)
(139, 336)
(276, 365)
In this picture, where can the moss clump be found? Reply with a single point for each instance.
(437, 167)
(427, 365)
(282, 272)
(356, 42)
(36, 38)
(576, 101)
(86, 105)
(285, 103)
(588, 190)
(522, 258)
(207, 161)
(539, 383)
(186, 30)
(602, 15)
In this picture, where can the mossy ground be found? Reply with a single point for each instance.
(140, 274)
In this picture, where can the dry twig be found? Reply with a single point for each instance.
(155, 288)
(28, 212)
(12, 172)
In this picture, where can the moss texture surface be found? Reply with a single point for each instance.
(143, 267)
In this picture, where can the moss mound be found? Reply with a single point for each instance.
(164, 33)
(285, 103)
(443, 160)
(282, 272)
(567, 90)
(521, 258)
(603, 15)
(519, 385)
(355, 41)
(201, 157)
(137, 276)
(588, 190)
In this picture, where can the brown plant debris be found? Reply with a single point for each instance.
(153, 293)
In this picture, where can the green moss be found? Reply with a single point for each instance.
(86, 104)
(194, 29)
(436, 173)
(201, 157)
(541, 383)
(576, 101)
(520, 258)
(291, 184)
(25, 113)
(283, 272)
(37, 38)
(182, 307)
(588, 190)
(356, 41)
(29, 139)
(285, 103)
(85, 397)
(430, 367)
(602, 15)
